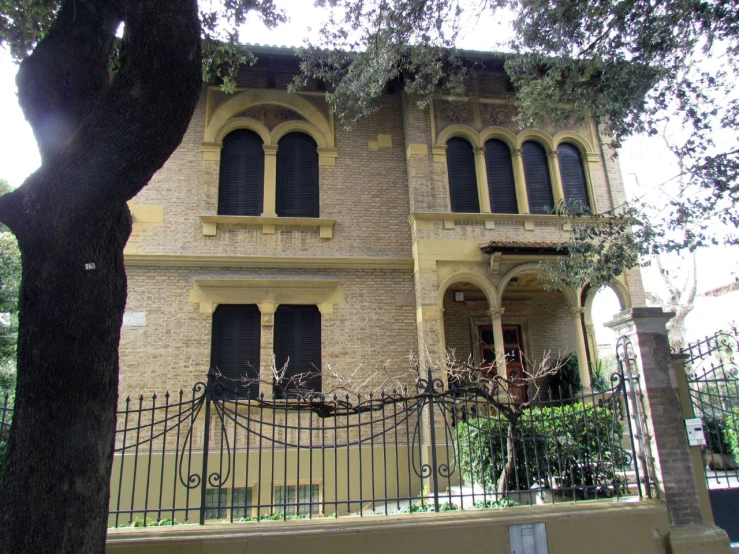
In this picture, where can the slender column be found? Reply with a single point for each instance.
(519, 177)
(582, 353)
(497, 316)
(592, 344)
(481, 170)
(557, 190)
(270, 180)
(266, 347)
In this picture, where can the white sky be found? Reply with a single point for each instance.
(643, 160)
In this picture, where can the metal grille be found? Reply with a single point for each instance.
(204, 455)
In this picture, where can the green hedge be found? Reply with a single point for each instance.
(731, 431)
(573, 447)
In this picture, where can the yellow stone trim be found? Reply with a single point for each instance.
(417, 149)
(385, 140)
(269, 192)
(211, 151)
(244, 100)
(416, 217)
(268, 223)
(327, 156)
(209, 293)
(143, 213)
(439, 153)
(141, 216)
(243, 123)
(268, 262)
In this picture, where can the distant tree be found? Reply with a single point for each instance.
(10, 280)
(4, 189)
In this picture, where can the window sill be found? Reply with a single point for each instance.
(268, 224)
(527, 220)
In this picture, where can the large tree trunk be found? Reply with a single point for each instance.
(72, 224)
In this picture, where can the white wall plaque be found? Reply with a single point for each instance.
(134, 319)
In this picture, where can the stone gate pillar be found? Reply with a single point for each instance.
(667, 441)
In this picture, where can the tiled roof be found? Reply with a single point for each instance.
(524, 247)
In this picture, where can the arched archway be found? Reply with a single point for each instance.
(601, 304)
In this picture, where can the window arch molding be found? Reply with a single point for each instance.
(459, 131)
(244, 123)
(477, 140)
(576, 140)
(315, 123)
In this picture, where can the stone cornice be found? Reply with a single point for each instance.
(268, 262)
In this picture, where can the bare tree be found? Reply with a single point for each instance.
(504, 394)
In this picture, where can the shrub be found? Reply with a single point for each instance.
(573, 447)
(731, 431)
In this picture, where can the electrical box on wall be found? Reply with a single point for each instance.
(696, 436)
(528, 539)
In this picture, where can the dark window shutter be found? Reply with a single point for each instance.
(236, 337)
(460, 162)
(241, 182)
(297, 176)
(573, 174)
(500, 177)
(538, 180)
(297, 343)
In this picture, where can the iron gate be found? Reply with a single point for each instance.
(713, 381)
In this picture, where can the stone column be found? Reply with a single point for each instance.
(483, 191)
(671, 461)
(519, 177)
(557, 190)
(497, 315)
(266, 347)
(270, 180)
(581, 350)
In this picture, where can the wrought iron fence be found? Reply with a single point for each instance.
(713, 381)
(209, 455)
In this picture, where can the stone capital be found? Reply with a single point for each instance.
(496, 313)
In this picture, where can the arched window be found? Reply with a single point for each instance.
(573, 174)
(538, 180)
(241, 182)
(460, 161)
(501, 184)
(297, 344)
(297, 176)
(235, 346)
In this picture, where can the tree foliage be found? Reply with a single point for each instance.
(630, 66)
(23, 23)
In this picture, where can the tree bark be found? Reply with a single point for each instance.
(72, 223)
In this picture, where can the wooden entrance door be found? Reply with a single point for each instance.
(513, 347)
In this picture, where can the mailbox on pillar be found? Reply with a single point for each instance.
(696, 436)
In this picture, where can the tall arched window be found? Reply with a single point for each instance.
(241, 181)
(235, 348)
(573, 174)
(538, 180)
(297, 176)
(460, 161)
(501, 184)
(297, 346)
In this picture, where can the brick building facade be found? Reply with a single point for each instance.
(392, 267)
